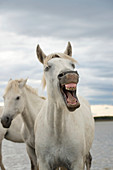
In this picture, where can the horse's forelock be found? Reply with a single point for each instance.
(43, 81)
(12, 84)
(58, 55)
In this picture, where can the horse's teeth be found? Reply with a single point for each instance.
(70, 88)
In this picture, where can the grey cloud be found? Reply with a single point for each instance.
(101, 100)
(59, 19)
(88, 24)
(21, 70)
(103, 69)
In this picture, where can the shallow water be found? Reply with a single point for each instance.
(15, 156)
(102, 149)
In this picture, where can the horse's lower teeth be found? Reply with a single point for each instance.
(71, 88)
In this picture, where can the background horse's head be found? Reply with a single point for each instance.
(13, 101)
(60, 77)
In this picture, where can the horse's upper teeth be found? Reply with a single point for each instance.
(70, 88)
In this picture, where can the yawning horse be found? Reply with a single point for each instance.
(64, 128)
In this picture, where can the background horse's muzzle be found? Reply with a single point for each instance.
(68, 77)
(6, 121)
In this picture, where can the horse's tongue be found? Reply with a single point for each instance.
(70, 98)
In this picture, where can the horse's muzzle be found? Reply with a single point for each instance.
(68, 76)
(6, 121)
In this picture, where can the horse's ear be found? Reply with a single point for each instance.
(10, 79)
(68, 50)
(40, 54)
(22, 83)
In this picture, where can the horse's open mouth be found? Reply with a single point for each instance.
(68, 87)
(69, 94)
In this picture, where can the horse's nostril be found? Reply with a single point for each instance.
(6, 121)
(60, 75)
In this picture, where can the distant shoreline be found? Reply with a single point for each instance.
(103, 118)
(103, 112)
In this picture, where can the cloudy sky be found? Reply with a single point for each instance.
(87, 24)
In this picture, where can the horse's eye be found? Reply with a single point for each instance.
(73, 65)
(47, 68)
(18, 97)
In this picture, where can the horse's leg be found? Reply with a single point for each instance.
(32, 156)
(1, 164)
(78, 164)
(88, 161)
(43, 165)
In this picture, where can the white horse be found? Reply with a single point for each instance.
(13, 134)
(20, 98)
(64, 128)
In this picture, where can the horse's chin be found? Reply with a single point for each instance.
(68, 92)
(72, 108)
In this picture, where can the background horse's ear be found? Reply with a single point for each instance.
(68, 50)
(22, 83)
(40, 54)
(10, 79)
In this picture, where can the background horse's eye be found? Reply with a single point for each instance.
(47, 68)
(73, 65)
(18, 97)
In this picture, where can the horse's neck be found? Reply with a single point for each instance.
(56, 118)
(32, 107)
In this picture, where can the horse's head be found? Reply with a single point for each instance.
(13, 101)
(61, 79)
